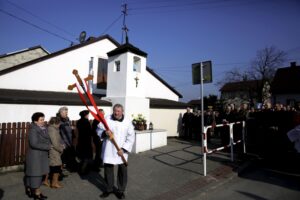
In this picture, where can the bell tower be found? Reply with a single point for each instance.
(126, 79)
(126, 76)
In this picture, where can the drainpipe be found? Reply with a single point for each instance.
(91, 72)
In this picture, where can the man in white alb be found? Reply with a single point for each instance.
(121, 129)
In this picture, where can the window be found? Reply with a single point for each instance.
(102, 73)
(136, 64)
(117, 66)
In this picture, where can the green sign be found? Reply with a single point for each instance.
(207, 72)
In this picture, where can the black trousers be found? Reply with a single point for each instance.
(68, 158)
(121, 178)
(98, 159)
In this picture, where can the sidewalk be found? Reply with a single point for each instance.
(171, 172)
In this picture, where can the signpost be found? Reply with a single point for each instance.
(207, 72)
(202, 73)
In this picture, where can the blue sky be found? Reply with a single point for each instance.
(174, 33)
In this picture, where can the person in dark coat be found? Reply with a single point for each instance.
(98, 144)
(227, 117)
(84, 145)
(208, 121)
(197, 132)
(66, 133)
(37, 161)
(187, 122)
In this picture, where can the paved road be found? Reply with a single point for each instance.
(256, 182)
(171, 172)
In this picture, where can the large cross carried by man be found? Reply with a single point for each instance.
(87, 95)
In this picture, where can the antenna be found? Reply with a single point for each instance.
(82, 37)
(125, 29)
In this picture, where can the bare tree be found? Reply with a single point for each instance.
(263, 67)
(267, 60)
(234, 75)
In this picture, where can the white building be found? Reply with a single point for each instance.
(40, 84)
(283, 91)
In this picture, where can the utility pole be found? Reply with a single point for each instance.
(124, 28)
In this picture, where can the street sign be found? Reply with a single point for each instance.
(202, 73)
(207, 72)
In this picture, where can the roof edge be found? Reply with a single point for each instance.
(15, 96)
(163, 82)
(166, 103)
(57, 53)
(24, 50)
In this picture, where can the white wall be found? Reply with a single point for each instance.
(23, 113)
(55, 74)
(169, 119)
(116, 80)
(156, 89)
(122, 83)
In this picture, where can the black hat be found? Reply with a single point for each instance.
(84, 113)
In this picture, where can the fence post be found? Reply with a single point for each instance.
(13, 153)
(7, 147)
(2, 145)
(231, 140)
(204, 147)
(243, 135)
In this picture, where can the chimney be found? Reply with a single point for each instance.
(293, 64)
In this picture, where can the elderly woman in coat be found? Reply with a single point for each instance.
(55, 152)
(37, 162)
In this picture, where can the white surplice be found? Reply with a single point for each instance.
(124, 136)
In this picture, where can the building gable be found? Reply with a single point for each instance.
(90, 41)
(251, 85)
(54, 71)
(286, 80)
(17, 58)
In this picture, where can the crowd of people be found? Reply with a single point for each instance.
(60, 147)
(191, 120)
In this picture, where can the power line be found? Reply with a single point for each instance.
(41, 19)
(180, 5)
(189, 7)
(36, 26)
(109, 26)
(139, 2)
(171, 67)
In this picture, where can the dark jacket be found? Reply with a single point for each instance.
(37, 161)
(84, 145)
(66, 132)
